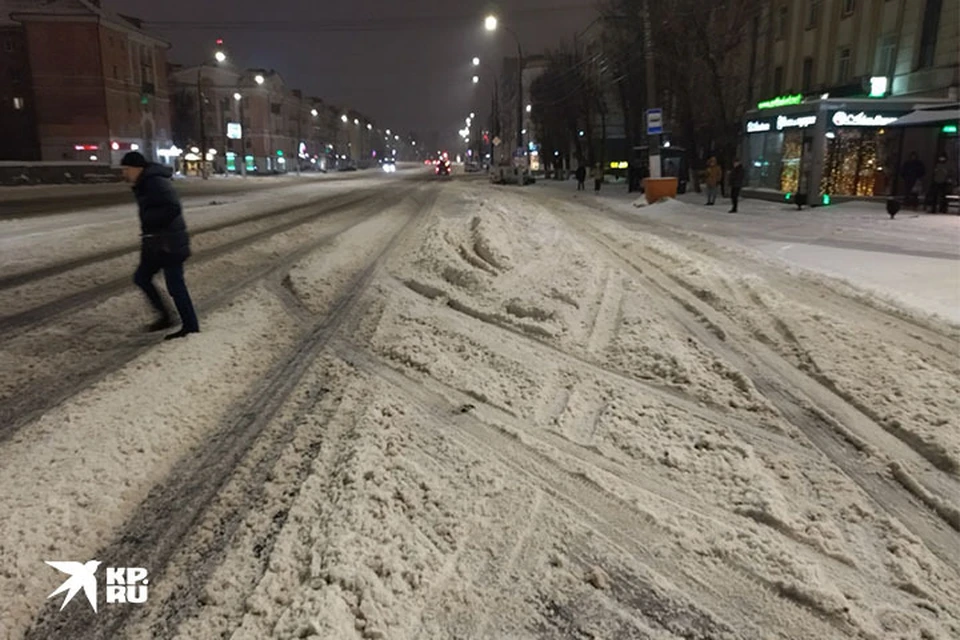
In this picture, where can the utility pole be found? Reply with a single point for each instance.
(653, 141)
(203, 128)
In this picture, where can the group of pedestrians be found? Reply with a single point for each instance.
(596, 173)
(941, 183)
(714, 181)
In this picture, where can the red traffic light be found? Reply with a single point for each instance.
(219, 41)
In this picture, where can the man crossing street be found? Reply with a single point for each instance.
(165, 243)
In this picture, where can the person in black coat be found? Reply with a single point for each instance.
(164, 244)
(737, 178)
(581, 178)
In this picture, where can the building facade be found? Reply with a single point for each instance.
(838, 73)
(95, 82)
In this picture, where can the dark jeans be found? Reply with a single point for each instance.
(581, 186)
(734, 197)
(937, 197)
(173, 274)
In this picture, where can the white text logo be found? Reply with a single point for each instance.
(844, 119)
(784, 122)
(125, 585)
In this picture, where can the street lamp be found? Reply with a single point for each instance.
(529, 108)
(492, 24)
(476, 79)
(356, 121)
(220, 56)
(345, 119)
(259, 79)
(476, 62)
(369, 127)
(314, 113)
(237, 97)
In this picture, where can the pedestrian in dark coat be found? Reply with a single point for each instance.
(597, 175)
(737, 178)
(581, 178)
(164, 242)
(912, 172)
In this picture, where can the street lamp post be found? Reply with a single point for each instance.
(492, 24)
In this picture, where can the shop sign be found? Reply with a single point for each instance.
(781, 101)
(758, 127)
(234, 130)
(801, 122)
(844, 119)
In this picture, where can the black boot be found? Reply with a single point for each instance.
(183, 333)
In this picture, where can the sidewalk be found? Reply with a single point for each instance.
(913, 259)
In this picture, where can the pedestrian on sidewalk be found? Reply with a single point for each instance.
(581, 178)
(597, 175)
(713, 177)
(912, 173)
(164, 242)
(940, 186)
(737, 178)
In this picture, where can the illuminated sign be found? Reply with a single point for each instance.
(781, 101)
(844, 119)
(878, 86)
(758, 127)
(801, 122)
(234, 130)
(949, 128)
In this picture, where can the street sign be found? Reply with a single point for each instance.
(234, 130)
(497, 141)
(654, 122)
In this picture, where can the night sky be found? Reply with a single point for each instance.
(406, 64)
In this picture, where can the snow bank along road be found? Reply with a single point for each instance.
(455, 411)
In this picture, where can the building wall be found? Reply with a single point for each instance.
(867, 31)
(68, 87)
(17, 115)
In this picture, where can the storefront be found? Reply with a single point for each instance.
(827, 148)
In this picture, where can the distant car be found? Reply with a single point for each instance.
(443, 167)
(389, 165)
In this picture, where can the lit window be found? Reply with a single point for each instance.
(18, 104)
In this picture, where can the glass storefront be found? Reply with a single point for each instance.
(773, 160)
(859, 162)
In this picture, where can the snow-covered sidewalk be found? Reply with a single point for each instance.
(913, 259)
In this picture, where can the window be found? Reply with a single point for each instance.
(813, 14)
(807, 75)
(928, 37)
(777, 80)
(18, 104)
(886, 62)
(847, 7)
(782, 22)
(843, 66)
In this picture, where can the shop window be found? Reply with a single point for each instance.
(928, 36)
(886, 56)
(807, 80)
(782, 21)
(859, 162)
(790, 162)
(777, 80)
(18, 104)
(813, 14)
(847, 7)
(843, 66)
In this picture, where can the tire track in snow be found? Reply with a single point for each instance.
(170, 512)
(659, 590)
(796, 394)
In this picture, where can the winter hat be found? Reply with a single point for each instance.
(134, 159)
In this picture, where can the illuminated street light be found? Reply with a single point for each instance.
(220, 56)
(529, 108)
(356, 121)
(476, 62)
(476, 79)
(237, 97)
(345, 118)
(388, 132)
(369, 127)
(490, 23)
(314, 113)
(259, 79)
(398, 137)
(472, 115)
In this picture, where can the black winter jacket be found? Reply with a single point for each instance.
(162, 227)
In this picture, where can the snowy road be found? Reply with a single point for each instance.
(428, 409)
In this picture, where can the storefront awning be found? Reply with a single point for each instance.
(928, 116)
